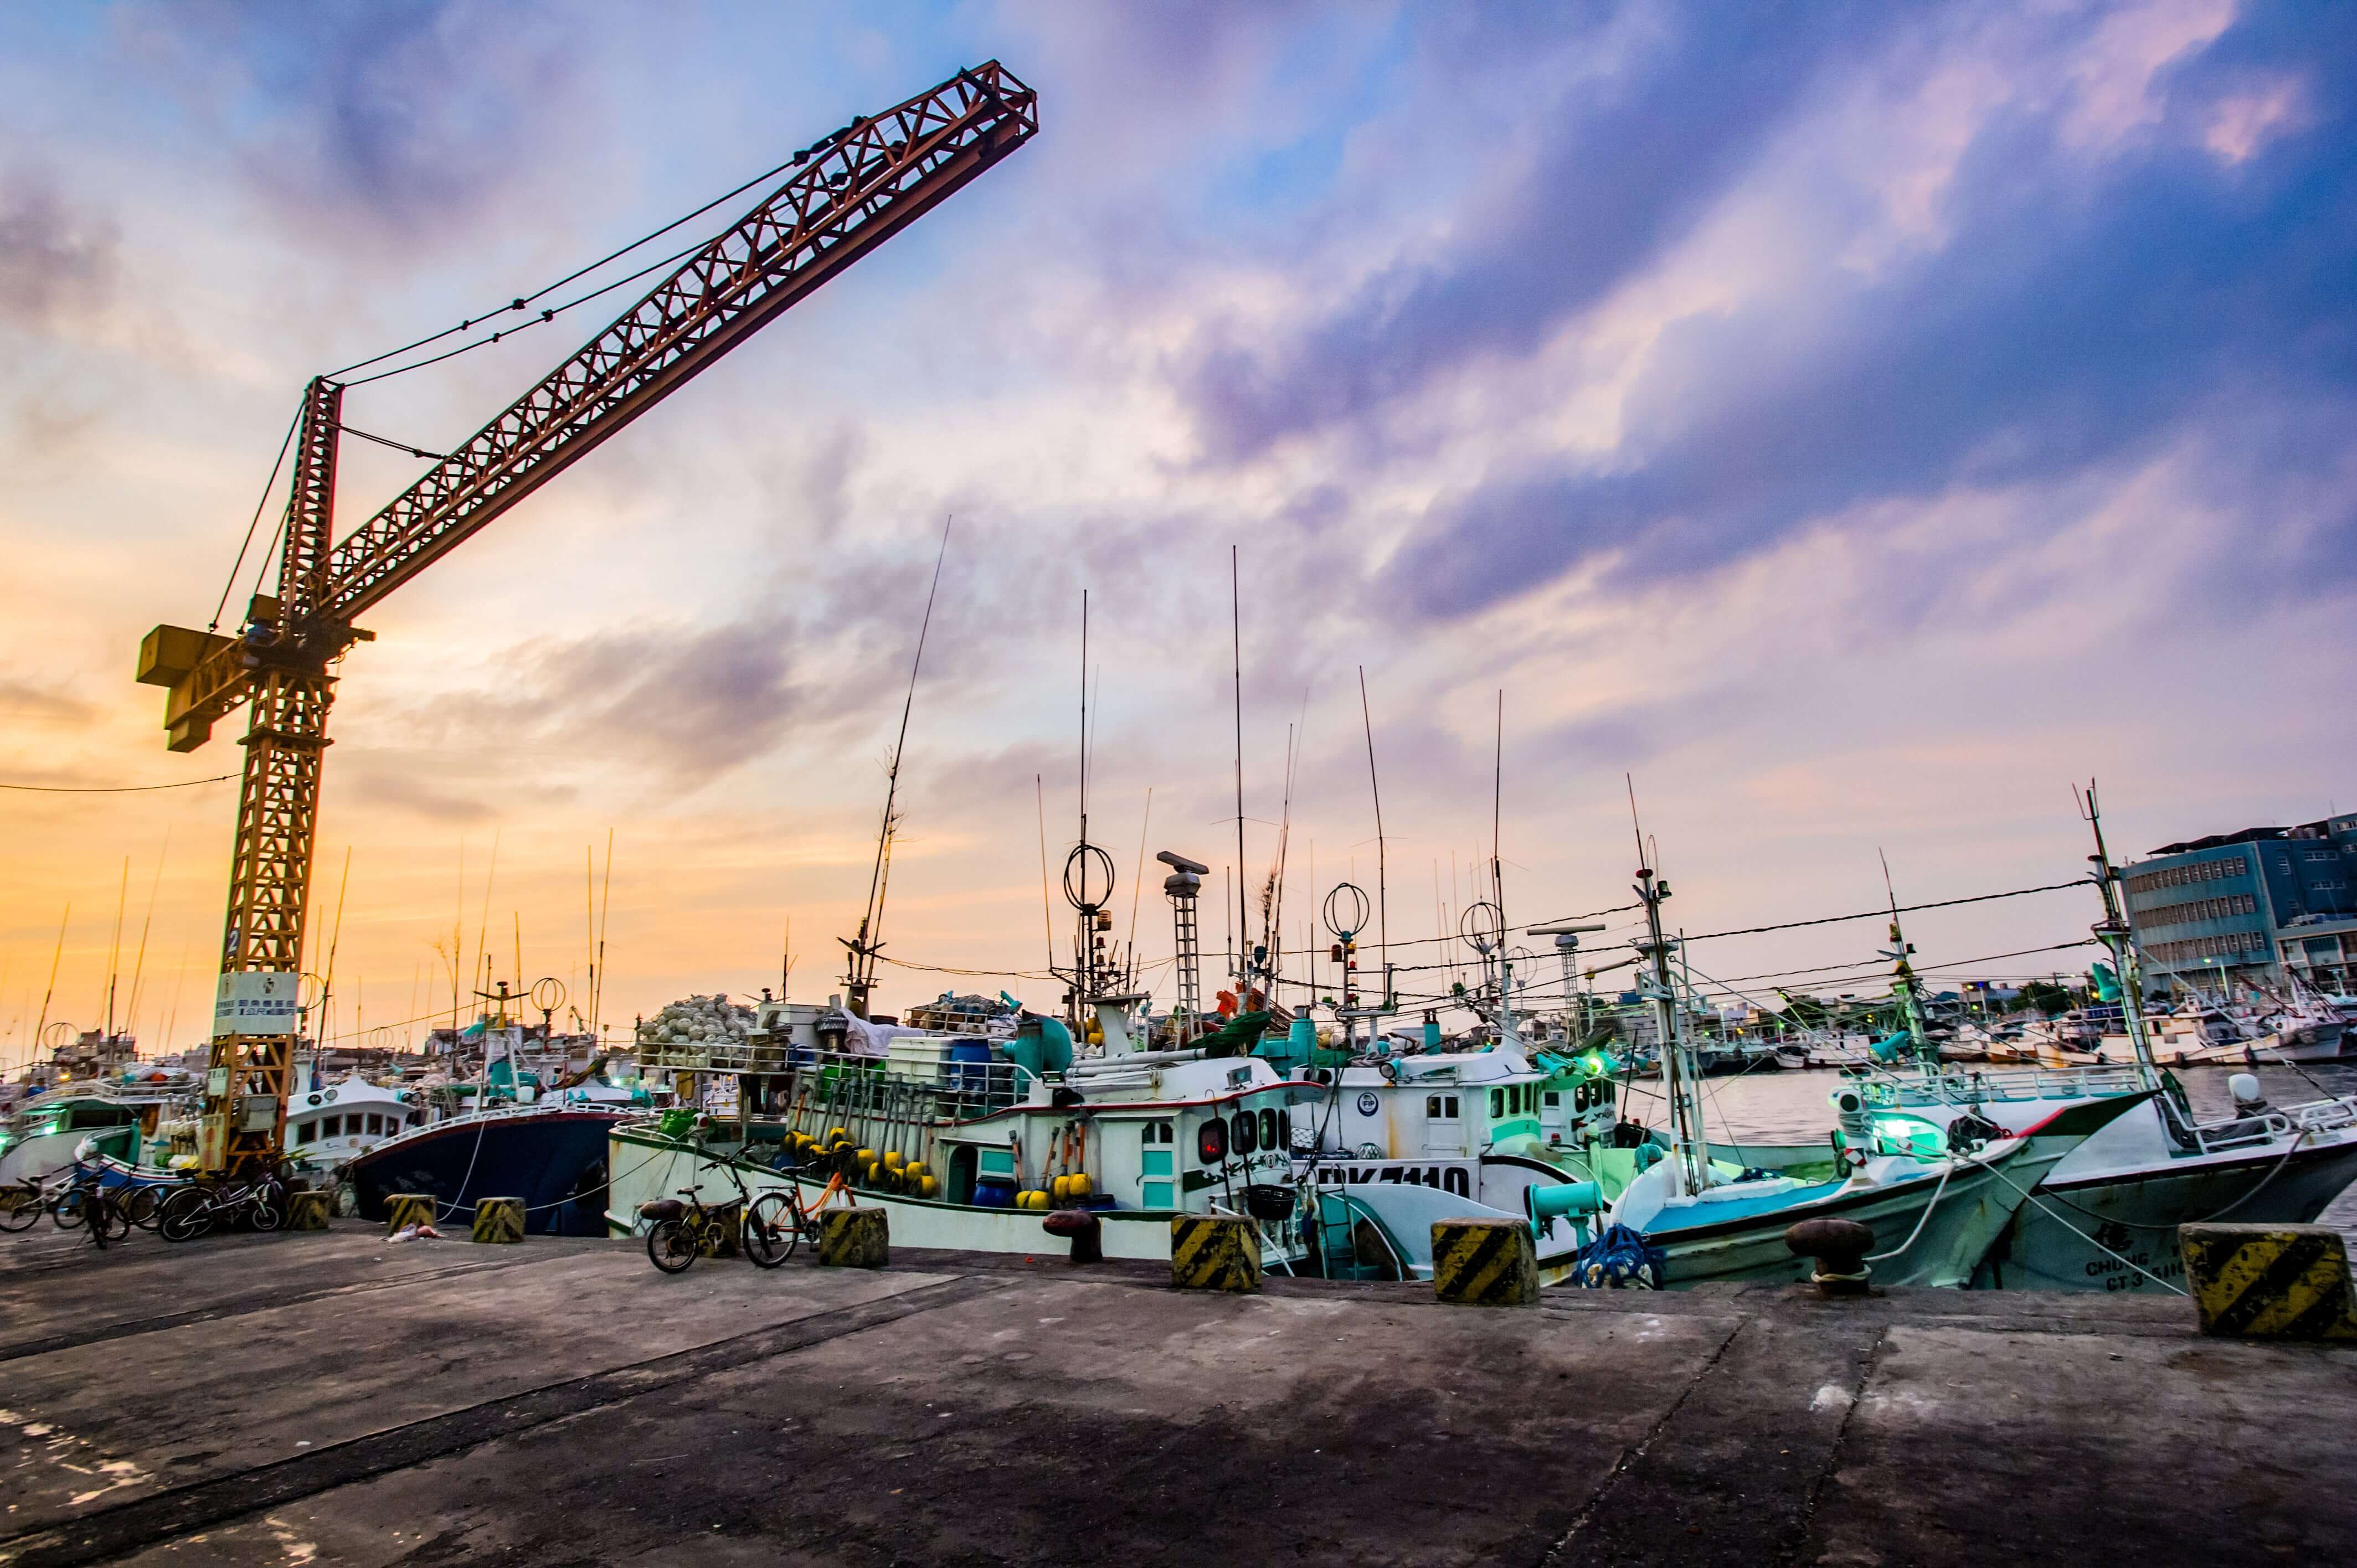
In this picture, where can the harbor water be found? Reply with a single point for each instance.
(1791, 1106)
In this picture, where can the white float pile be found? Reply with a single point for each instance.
(698, 1021)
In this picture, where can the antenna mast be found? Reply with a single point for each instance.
(1382, 911)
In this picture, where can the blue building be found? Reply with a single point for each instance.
(2255, 905)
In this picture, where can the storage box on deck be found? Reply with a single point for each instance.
(918, 1058)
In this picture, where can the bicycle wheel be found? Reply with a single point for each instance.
(143, 1205)
(266, 1205)
(20, 1206)
(188, 1214)
(772, 1231)
(671, 1246)
(66, 1211)
(105, 1219)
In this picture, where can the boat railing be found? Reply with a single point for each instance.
(2034, 1083)
(474, 1118)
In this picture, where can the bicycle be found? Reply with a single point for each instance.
(197, 1208)
(82, 1203)
(680, 1231)
(21, 1206)
(105, 1220)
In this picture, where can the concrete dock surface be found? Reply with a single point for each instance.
(332, 1397)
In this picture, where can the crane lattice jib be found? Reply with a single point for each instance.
(876, 177)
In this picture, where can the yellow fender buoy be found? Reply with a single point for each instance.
(1079, 1185)
(895, 1159)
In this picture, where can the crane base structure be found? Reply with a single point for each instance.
(848, 192)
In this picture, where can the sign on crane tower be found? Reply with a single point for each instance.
(847, 195)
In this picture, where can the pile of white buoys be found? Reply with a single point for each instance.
(698, 1021)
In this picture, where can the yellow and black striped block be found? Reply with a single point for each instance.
(307, 1211)
(1214, 1251)
(2269, 1282)
(723, 1231)
(1484, 1263)
(854, 1239)
(404, 1210)
(498, 1219)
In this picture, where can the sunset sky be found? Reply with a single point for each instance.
(1854, 422)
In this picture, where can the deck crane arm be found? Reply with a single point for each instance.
(849, 192)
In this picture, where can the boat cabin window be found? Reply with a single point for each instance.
(331, 1126)
(305, 1133)
(1212, 1140)
(1269, 1130)
(1552, 1099)
(1247, 1134)
(1156, 1132)
(1440, 1107)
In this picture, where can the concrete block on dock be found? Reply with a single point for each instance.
(403, 1209)
(308, 1210)
(498, 1220)
(854, 1239)
(2269, 1282)
(1484, 1263)
(1214, 1251)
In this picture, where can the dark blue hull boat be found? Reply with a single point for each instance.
(553, 1159)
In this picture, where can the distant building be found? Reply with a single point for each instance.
(2253, 906)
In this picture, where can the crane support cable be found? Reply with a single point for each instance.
(526, 302)
(396, 445)
(231, 585)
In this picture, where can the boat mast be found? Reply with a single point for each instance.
(1689, 1153)
(2113, 933)
(1903, 984)
(859, 981)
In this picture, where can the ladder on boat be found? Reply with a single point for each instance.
(1338, 1214)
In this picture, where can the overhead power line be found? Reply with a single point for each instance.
(114, 788)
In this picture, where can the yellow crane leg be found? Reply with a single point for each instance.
(243, 1125)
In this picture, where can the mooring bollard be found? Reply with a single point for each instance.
(404, 1210)
(1086, 1230)
(307, 1211)
(1484, 1263)
(1214, 1251)
(1839, 1247)
(498, 1220)
(854, 1239)
(2269, 1282)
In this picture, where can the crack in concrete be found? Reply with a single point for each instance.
(54, 1342)
(126, 1527)
(1793, 1551)
(1635, 1453)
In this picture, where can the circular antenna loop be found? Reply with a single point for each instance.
(1347, 910)
(1088, 877)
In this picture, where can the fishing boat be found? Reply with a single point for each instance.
(1936, 1196)
(551, 1154)
(43, 1135)
(964, 1141)
(330, 1125)
(2106, 1217)
(509, 1136)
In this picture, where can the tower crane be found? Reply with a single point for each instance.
(846, 194)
